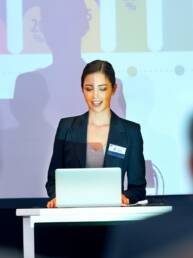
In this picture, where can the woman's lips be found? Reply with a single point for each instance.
(96, 103)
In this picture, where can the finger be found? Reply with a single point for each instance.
(123, 201)
(48, 204)
(126, 200)
(52, 203)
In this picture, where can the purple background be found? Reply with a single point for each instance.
(41, 98)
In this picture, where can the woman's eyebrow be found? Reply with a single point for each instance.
(88, 85)
(91, 85)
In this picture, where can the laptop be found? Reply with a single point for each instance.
(88, 187)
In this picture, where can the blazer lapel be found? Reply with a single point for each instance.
(117, 136)
(79, 139)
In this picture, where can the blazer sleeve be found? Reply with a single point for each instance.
(136, 168)
(57, 159)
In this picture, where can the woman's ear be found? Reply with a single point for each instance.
(114, 88)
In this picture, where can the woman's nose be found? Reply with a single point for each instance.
(95, 93)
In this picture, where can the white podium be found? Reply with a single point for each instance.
(98, 214)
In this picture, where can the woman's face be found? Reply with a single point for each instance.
(98, 90)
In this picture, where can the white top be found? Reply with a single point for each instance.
(95, 155)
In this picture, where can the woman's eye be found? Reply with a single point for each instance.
(88, 89)
(103, 89)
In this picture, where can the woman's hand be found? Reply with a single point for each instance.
(125, 200)
(52, 203)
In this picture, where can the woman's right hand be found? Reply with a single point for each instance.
(52, 203)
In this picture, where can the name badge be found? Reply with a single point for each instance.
(116, 151)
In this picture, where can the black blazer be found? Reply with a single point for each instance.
(70, 152)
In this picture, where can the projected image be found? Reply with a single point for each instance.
(44, 46)
(150, 45)
(131, 26)
(15, 62)
(44, 81)
(34, 39)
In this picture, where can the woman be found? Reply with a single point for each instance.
(99, 138)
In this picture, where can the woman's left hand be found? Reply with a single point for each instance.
(124, 200)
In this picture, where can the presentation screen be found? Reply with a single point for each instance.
(44, 46)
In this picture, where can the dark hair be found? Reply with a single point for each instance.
(99, 66)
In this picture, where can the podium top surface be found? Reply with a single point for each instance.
(92, 214)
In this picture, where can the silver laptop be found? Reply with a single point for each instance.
(88, 187)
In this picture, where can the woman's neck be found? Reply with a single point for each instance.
(99, 119)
